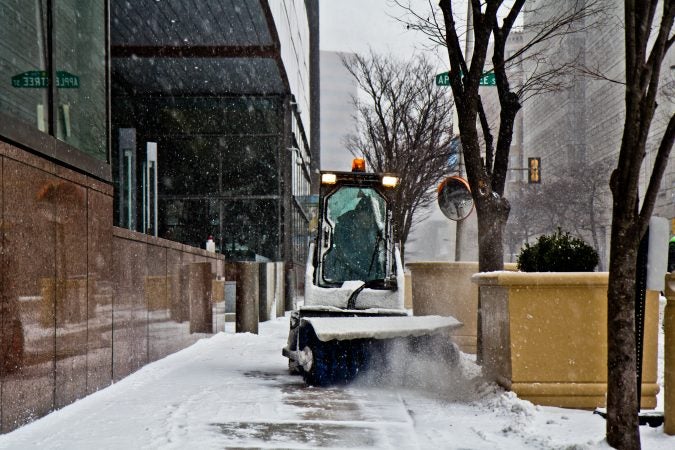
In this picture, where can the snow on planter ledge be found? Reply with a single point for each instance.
(545, 336)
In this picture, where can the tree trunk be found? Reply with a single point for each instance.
(492, 214)
(622, 408)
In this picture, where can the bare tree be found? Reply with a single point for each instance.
(486, 152)
(524, 219)
(646, 46)
(403, 126)
(486, 158)
(590, 197)
(573, 200)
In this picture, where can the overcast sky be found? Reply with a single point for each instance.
(357, 25)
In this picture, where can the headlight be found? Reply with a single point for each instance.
(390, 181)
(328, 178)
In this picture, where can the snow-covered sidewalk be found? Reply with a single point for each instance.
(233, 390)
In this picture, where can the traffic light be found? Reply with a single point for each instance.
(534, 170)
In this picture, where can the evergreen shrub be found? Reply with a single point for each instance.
(558, 252)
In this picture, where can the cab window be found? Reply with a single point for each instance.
(357, 250)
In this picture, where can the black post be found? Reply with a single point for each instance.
(640, 300)
(653, 419)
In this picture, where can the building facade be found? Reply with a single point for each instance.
(173, 120)
(579, 127)
(55, 207)
(219, 96)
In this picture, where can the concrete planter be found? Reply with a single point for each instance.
(445, 289)
(545, 337)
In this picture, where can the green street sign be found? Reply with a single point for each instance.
(443, 79)
(488, 79)
(67, 80)
(31, 79)
(37, 79)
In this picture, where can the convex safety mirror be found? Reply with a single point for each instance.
(454, 198)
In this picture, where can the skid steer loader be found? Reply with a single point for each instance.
(354, 311)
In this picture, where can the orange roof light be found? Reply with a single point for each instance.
(358, 165)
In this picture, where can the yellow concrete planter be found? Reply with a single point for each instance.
(445, 289)
(545, 337)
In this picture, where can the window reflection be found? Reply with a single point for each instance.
(241, 228)
(79, 56)
(219, 169)
(78, 61)
(23, 57)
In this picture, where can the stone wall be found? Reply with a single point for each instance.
(83, 303)
(162, 303)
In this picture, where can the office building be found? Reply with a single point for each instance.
(129, 132)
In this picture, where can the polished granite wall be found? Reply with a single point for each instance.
(83, 303)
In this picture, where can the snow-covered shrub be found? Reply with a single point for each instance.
(558, 252)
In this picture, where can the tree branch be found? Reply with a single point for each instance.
(660, 164)
(403, 127)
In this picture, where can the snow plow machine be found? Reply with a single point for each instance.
(354, 314)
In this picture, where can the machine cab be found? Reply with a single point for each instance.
(355, 239)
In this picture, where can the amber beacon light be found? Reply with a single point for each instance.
(358, 165)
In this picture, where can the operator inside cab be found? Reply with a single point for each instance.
(357, 250)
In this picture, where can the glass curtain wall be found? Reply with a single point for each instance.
(218, 169)
(24, 57)
(304, 207)
(79, 59)
(67, 39)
